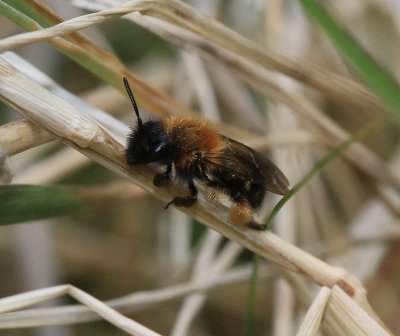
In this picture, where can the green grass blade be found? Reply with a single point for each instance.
(21, 203)
(337, 151)
(18, 16)
(28, 9)
(248, 328)
(377, 78)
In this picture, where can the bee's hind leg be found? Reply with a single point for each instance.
(257, 226)
(185, 201)
(242, 214)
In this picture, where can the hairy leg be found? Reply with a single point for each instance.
(242, 214)
(185, 201)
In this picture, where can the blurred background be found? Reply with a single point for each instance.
(124, 242)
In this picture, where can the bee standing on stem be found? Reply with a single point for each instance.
(198, 152)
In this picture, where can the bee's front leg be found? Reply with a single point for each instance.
(163, 179)
(185, 201)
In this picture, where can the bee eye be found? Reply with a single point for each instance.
(160, 146)
(153, 146)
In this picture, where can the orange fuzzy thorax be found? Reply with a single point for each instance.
(194, 137)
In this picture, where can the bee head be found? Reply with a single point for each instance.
(147, 143)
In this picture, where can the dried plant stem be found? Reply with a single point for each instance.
(336, 86)
(200, 82)
(112, 124)
(352, 319)
(26, 299)
(338, 319)
(313, 318)
(56, 166)
(238, 101)
(106, 65)
(181, 14)
(205, 269)
(127, 304)
(68, 27)
(338, 245)
(21, 135)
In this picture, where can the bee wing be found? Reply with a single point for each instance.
(250, 165)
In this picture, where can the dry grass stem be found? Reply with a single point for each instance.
(353, 320)
(56, 166)
(68, 27)
(365, 260)
(200, 81)
(127, 304)
(283, 308)
(27, 299)
(339, 245)
(181, 14)
(192, 303)
(213, 269)
(116, 126)
(337, 86)
(238, 101)
(312, 320)
(21, 135)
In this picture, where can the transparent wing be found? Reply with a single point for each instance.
(247, 164)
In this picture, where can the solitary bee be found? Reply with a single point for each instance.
(198, 152)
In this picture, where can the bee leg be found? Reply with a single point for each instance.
(242, 214)
(185, 201)
(162, 179)
(257, 226)
(210, 183)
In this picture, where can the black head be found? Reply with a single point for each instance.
(147, 142)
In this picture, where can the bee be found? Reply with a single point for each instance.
(199, 153)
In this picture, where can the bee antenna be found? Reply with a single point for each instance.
(132, 98)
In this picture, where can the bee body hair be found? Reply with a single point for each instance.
(195, 144)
